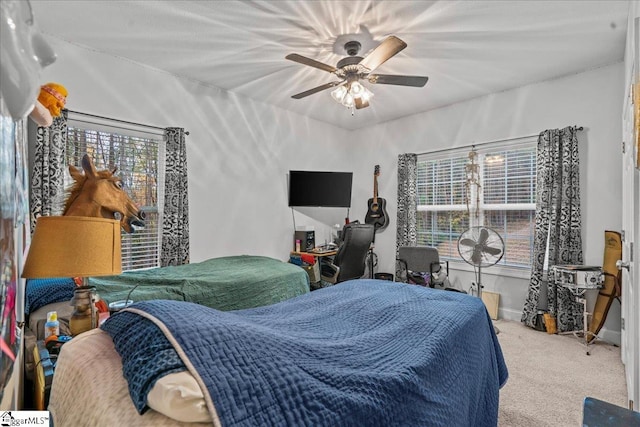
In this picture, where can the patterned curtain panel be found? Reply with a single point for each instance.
(175, 225)
(558, 224)
(47, 179)
(407, 202)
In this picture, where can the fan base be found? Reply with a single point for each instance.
(365, 39)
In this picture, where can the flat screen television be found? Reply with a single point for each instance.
(320, 189)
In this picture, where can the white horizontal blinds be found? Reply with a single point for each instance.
(506, 201)
(136, 157)
(443, 181)
(442, 210)
(510, 176)
(509, 190)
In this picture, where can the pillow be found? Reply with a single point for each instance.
(179, 396)
(40, 292)
(146, 354)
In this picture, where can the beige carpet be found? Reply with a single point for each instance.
(550, 375)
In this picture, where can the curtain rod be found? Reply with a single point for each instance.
(118, 120)
(479, 144)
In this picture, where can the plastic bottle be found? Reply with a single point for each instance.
(52, 327)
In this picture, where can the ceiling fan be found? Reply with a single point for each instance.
(353, 68)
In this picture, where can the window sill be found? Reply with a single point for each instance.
(495, 270)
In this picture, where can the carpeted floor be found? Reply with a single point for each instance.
(550, 375)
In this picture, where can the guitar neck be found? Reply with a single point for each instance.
(375, 188)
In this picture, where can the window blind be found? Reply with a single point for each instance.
(137, 158)
(505, 199)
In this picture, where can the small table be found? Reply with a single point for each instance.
(579, 279)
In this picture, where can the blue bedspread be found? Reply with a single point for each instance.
(364, 352)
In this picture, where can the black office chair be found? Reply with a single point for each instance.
(415, 260)
(349, 262)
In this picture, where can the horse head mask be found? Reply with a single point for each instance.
(100, 194)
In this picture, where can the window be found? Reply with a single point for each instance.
(136, 155)
(504, 201)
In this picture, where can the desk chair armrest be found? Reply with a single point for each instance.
(402, 270)
(436, 267)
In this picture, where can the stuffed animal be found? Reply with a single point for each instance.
(53, 97)
(24, 52)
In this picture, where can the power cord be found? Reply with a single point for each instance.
(126, 301)
(53, 358)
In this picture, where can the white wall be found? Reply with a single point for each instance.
(590, 99)
(239, 152)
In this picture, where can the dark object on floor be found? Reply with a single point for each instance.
(540, 325)
(597, 413)
(383, 276)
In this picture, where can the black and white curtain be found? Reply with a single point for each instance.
(407, 203)
(557, 226)
(175, 225)
(47, 178)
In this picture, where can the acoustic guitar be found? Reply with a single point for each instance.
(377, 212)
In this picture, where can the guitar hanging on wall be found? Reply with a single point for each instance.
(377, 212)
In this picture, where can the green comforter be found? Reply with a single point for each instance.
(227, 283)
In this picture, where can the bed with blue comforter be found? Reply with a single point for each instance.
(363, 352)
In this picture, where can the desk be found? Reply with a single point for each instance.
(313, 270)
(315, 254)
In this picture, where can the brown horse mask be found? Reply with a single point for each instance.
(100, 194)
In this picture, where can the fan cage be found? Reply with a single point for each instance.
(494, 240)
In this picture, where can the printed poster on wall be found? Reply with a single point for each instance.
(13, 215)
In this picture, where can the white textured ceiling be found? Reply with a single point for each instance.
(467, 48)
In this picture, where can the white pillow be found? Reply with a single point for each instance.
(178, 396)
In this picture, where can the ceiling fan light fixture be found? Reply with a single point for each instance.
(352, 95)
(356, 89)
(366, 94)
(353, 68)
(348, 100)
(339, 93)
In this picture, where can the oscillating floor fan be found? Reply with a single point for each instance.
(481, 247)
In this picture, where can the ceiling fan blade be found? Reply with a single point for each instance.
(385, 50)
(310, 62)
(386, 79)
(315, 89)
(360, 103)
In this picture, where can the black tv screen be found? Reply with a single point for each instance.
(323, 189)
